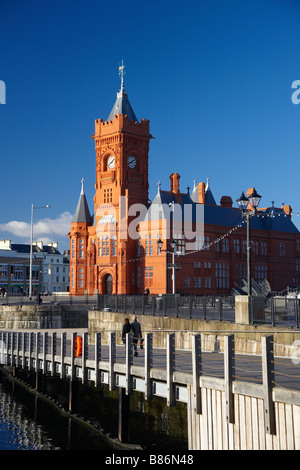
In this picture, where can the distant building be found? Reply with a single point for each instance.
(50, 268)
(106, 258)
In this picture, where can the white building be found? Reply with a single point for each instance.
(53, 266)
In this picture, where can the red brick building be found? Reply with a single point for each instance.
(116, 250)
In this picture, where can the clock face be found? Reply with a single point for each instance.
(131, 162)
(111, 162)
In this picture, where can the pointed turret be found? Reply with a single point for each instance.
(122, 105)
(82, 213)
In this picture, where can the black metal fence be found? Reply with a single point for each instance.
(279, 310)
(217, 308)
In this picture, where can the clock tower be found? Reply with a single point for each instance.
(122, 146)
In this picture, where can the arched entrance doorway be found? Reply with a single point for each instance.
(108, 281)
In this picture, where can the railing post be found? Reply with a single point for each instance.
(53, 344)
(37, 364)
(229, 364)
(30, 350)
(2, 348)
(84, 355)
(176, 305)
(170, 369)
(190, 306)
(148, 364)
(62, 355)
(23, 351)
(143, 304)
(7, 348)
(197, 368)
(268, 379)
(97, 358)
(18, 349)
(45, 341)
(112, 358)
(129, 362)
(73, 339)
(10, 344)
(220, 308)
(12, 357)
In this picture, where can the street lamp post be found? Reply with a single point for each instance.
(31, 242)
(173, 246)
(243, 202)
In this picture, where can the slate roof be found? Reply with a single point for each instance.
(122, 106)
(22, 248)
(82, 213)
(274, 219)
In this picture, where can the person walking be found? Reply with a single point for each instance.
(137, 333)
(125, 329)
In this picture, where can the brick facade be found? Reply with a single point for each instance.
(116, 251)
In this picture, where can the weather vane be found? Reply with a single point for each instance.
(122, 73)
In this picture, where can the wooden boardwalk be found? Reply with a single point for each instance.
(218, 387)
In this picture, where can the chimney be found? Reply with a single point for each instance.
(175, 177)
(288, 210)
(201, 191)
(226, 201)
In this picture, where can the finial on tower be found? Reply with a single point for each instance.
(82, 186)
(122, 73)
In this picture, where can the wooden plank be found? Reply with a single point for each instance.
(282, 431)
(296, 415)
(204, 421)
(220, 424)
(236, 429)
(248, 423)
(189, 416)
(209, 421)
(290, 442)
(242, 423)
(255, 426)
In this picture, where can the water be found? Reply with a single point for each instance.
(28, 422)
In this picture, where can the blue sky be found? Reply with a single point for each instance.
(214, 78)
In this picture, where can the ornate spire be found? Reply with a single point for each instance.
(122, 73)
(122, 105)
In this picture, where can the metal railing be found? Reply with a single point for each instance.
(279, 310)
